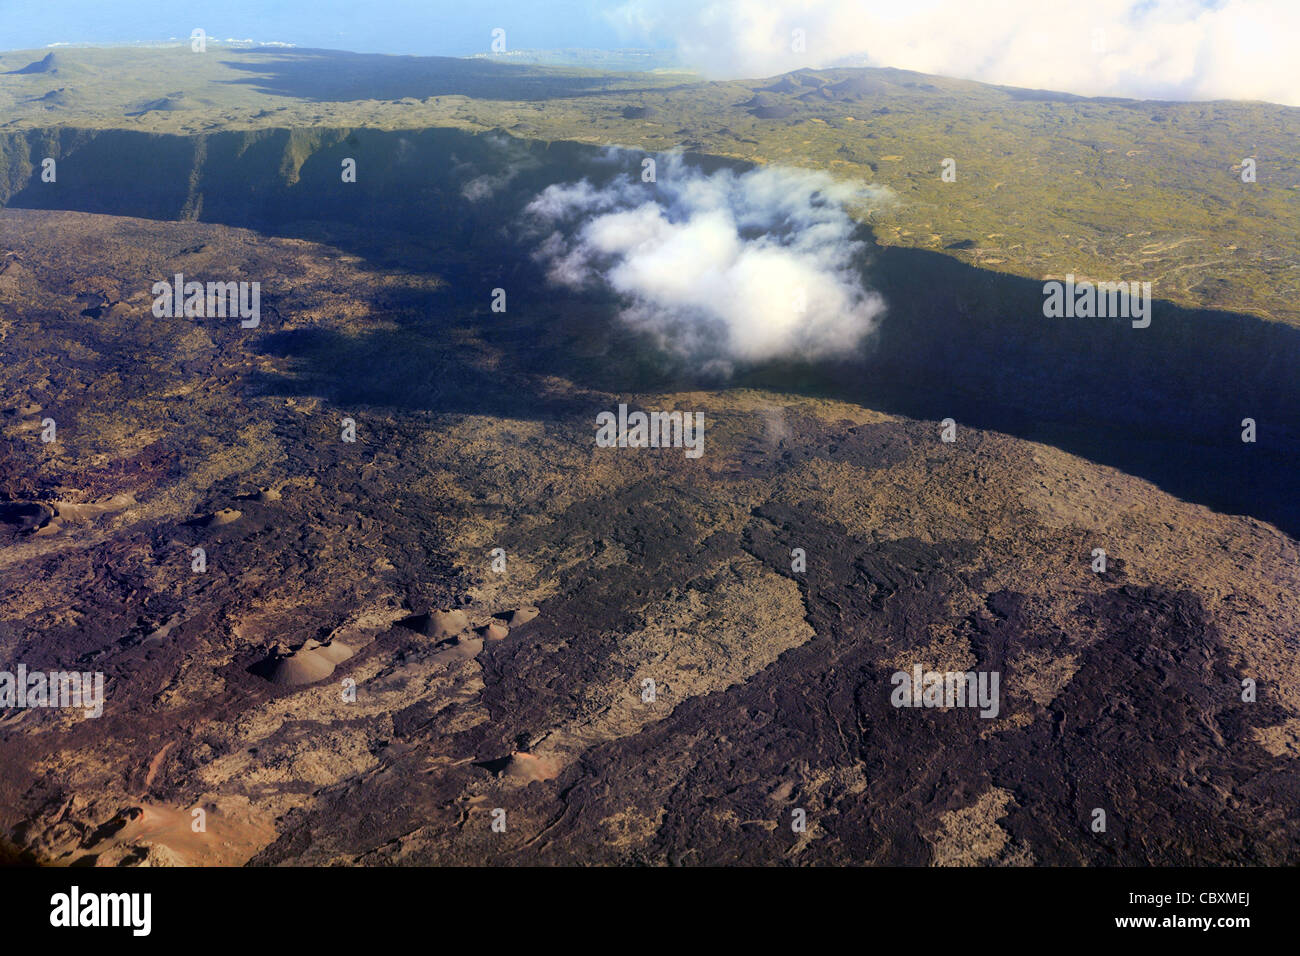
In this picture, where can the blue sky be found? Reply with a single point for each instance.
(426, 27)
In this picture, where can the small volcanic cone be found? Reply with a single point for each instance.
(520, 616)
(523, 767)
(443, 624)
(439, 625)
(311, 662)
(217, 519)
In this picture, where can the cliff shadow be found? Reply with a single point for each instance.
(1165, 403)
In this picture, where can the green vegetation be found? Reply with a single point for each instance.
(1047, 184)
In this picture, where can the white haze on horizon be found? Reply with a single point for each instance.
(1145, 49)
(723, 267)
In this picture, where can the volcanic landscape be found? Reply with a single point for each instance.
(450, 622)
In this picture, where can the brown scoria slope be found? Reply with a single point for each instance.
(1120, 691)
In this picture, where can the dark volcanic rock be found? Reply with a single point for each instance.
(682, 652)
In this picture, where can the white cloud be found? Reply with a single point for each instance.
(1167, 49)
(724, 267)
